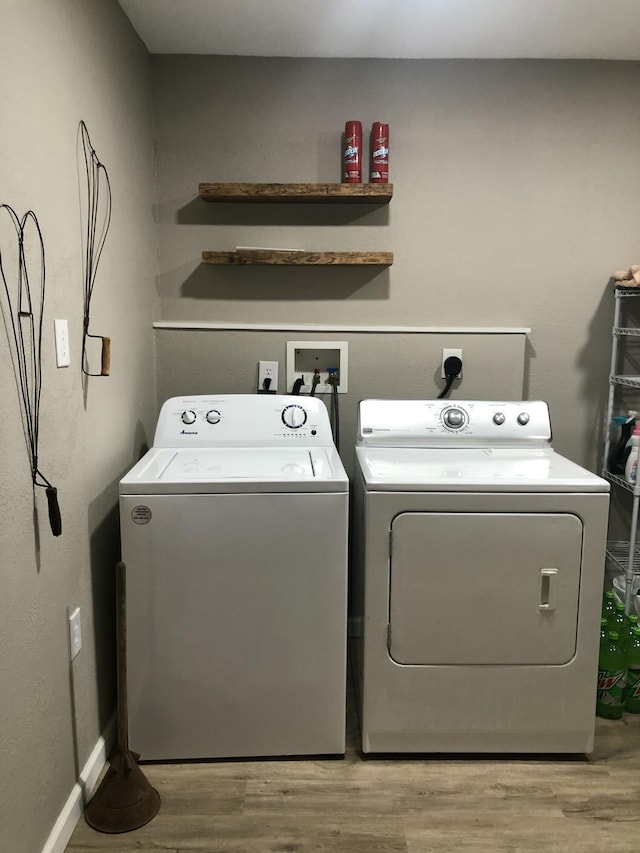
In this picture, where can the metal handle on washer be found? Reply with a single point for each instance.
(548, 592)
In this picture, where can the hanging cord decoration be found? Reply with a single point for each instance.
(95, 236)
(23, 322)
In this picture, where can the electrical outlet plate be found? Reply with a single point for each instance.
(268, 370)
(75, 634)
(445, 355)
(304, 357)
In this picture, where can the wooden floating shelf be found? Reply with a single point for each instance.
(299, 258)
(274, 193)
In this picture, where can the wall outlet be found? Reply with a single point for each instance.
(445, 355)
(61, 331)
(268, 377)
(75, 634)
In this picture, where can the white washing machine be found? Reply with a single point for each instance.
(234, 535)
(478, 576)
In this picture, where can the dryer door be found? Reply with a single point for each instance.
(484, 588)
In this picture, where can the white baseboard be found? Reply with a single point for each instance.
(74, 807)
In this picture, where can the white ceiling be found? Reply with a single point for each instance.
(413, 29)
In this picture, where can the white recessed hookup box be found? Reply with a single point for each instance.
(305, 357)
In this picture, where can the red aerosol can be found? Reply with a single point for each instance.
(352, 153)
(379, 153)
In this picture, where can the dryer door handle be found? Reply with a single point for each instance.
(548, 589)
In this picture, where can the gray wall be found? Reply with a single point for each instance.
(62, 61)
(515, 187)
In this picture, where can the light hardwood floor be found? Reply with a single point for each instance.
(417, 805)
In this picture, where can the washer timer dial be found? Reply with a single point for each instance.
(454, 418)
(294, 416)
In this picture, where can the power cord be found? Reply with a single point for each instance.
(315, 382)
(452, 369)
(333, 379)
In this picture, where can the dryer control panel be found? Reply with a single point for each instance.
(422, 423)
(243, 420)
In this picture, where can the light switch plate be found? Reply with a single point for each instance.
(75, 634)
(61, 330)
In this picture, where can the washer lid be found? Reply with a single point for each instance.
(257, 469)
(474, 469)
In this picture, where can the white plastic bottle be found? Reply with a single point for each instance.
(631, 468)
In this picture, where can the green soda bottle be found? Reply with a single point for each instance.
(608, 603)
(632, 686)
(626, 634)
(603, 636)
(611, 676)
(618, 619)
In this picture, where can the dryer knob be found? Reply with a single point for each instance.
(523, 418)
(188, 417)
(454, 418)
(213, 416)
(498, 418)
(294, 416)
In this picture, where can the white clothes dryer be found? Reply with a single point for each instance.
(234, 536)
(478, 576)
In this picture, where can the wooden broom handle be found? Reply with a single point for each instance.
(121, 661)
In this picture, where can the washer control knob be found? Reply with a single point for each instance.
(498, 418)
(454, 418)
(294, 416)
(523, 418)
(213, 416)
(188, 417)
